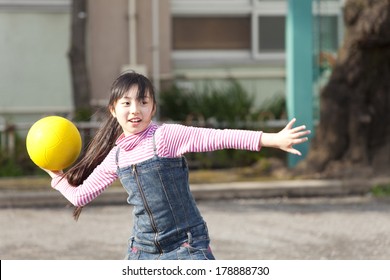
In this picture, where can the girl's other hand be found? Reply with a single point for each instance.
(52, 173)
(286, 138)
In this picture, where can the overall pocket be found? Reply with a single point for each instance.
(197, 250)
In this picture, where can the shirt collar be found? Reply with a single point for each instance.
(129, 142)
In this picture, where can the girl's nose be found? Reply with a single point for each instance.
(134, 107)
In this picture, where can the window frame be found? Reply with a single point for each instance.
(266, 8)
(252, 8)
(53, 6)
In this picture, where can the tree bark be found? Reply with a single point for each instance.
(78, 60)
(353, 135)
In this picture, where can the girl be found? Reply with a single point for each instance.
(148, 160)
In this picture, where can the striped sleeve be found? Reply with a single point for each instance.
(92, 187)
(178, 139)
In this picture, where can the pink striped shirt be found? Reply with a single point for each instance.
(172, 140)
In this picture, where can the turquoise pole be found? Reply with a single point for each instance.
(299, 78)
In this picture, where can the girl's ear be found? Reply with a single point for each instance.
(154, 110)
(112, 111)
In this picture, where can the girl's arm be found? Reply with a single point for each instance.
(93, 186)
(286, 138)
(177, 140)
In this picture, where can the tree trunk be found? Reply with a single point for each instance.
(353, 135)
(78, 60)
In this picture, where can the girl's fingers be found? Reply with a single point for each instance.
(295, 152)
(301, 134)
(301, 140)
(291, 123)
(298, 128)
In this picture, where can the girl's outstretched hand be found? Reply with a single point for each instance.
(286, 138)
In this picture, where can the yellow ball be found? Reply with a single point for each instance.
(53, 143)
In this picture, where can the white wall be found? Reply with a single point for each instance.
(34, 70)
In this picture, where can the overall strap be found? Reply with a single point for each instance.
(154, 144)
(117, 157)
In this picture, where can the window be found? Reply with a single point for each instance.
(326, 28)
(271, 34)
(244, 30)
(211, 33)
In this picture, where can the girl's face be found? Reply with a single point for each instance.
(133, 114)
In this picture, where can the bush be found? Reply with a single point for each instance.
(18, 163)
(382, 190)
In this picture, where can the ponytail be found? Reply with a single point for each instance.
(97, 150)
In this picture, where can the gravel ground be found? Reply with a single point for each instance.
(271, 229)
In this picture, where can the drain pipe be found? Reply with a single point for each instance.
(156, 53)
(132, 22)
(132, 33)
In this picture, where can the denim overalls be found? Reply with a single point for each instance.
(167, 222)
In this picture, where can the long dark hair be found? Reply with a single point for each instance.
(104, 139)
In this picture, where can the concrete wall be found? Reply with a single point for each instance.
(109, 50)
(107, 45)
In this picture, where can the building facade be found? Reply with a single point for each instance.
(186, 42)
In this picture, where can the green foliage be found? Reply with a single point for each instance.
(227, 105)
(223, 159)
(82, 115)
(18, 163)
(175, 105)
(381, 190)
(230, 105)
(273, 109)
(8, 167)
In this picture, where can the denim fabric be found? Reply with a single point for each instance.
(191, 249)
(167, 222)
